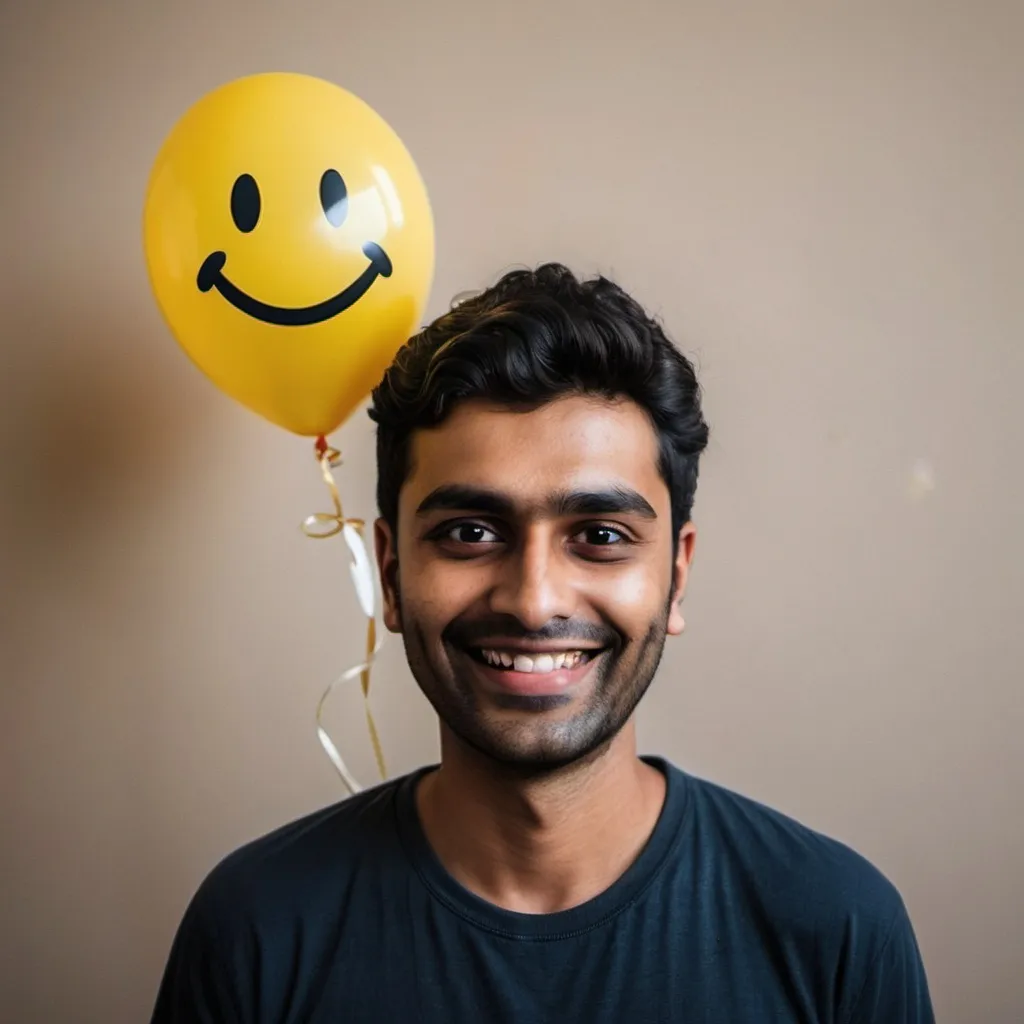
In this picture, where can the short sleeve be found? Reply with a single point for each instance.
(197, 987)
(896, 988)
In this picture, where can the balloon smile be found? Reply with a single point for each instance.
(211, 276)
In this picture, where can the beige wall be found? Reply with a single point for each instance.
(823, 200)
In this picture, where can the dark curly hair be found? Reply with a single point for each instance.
(535, 336)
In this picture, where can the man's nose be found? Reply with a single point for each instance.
(535, 585)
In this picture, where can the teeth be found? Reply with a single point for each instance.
(540, 663)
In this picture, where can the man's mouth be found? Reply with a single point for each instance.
(536, 673)
(211, 276)
(540, 663)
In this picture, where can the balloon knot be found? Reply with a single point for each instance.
(320, 447)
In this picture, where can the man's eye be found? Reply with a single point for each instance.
(601, 536)
(471, 533)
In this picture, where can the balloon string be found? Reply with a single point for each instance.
(320, 526)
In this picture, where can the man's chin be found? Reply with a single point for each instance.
(532, 749)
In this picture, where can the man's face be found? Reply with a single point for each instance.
(532, 576)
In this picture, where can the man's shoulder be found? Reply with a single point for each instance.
(836, 923)
(294, 861)
(796, 872)
(279, 901)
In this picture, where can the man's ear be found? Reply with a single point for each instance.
(680, 574)
(385, 545)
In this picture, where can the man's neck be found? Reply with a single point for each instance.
(539, 845)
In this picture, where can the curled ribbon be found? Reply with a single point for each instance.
(320, 526)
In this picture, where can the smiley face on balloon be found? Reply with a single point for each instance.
(290, 245)
(245, 212)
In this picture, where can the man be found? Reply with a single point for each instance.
(537, 456)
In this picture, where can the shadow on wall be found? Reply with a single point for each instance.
(97, 425)
(95, 420)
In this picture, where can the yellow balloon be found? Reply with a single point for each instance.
(290, 245)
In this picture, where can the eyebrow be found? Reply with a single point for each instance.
(608, 501)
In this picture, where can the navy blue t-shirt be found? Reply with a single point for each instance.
(732, 914)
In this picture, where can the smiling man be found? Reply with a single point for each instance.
(537, 454)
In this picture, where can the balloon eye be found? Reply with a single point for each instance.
(334, 197)
(245, 203)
